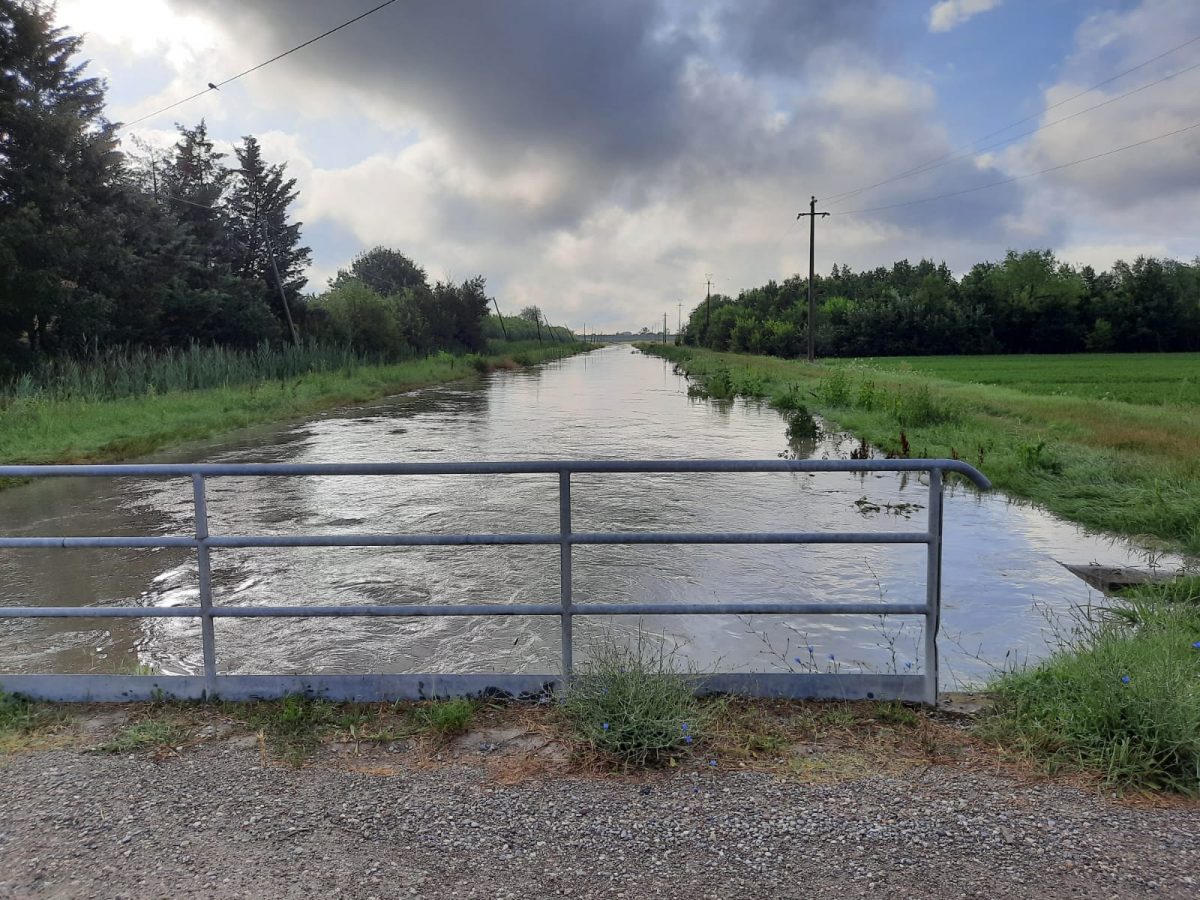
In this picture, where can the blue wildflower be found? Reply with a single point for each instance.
(687, 738)
(684, 726)
(831, 656)
(1125, 679)
(810, 650)
(908, 665)
(713, 763)
(1196, 645)
(605, 726)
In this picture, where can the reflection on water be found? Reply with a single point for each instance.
(1000, 558)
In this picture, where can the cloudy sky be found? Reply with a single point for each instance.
(600, 157)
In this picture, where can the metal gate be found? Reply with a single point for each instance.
(210, 683)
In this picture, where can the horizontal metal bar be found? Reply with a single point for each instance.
(380, 540)
(463, 609)
(29, 543)
(368, 688)
(469, 540)
(749, 609)
(211, 470)
(751, 537)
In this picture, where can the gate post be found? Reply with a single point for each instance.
(564, 566)
(204, 568)
(933, 586)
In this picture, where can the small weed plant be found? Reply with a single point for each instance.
(446, 717)
(633, 702)
(152, 734)
(16, 713)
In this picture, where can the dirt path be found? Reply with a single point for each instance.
(223, 820)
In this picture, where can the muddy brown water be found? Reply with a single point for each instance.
(1005, 595)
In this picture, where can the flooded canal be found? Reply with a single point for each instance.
(1002, 580)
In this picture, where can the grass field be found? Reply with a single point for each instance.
(1152, 379)
(41, 430)
(1107, 441)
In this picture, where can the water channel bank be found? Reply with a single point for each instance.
(38, 430)
(1127, 468)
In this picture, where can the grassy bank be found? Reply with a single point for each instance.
(1106, 441)
(51, 425)
(1121, 697)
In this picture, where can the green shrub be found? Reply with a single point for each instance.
(867, 399)
(719, 384)
(787, 401)
(634, 703)
(834, 389)
(802, 426)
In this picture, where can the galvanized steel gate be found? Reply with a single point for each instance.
(918, 687)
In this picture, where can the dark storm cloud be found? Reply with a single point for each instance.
(594, 80)
(781, 35)
(706, 109)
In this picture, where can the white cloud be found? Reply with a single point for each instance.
(1143, 199)
(949, 14)
(1102, 256)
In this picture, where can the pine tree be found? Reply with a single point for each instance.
(261, 240)
(60, 172)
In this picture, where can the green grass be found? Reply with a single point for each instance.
(1120, 698)
(152, 734)
(1108, 464)
(446, 717)
(631, 702)
(41, 429)
(16, 714)
(1153, 379)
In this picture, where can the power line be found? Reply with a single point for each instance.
(966, 149)
(991, 184)
(232, 78)
(1038, 130)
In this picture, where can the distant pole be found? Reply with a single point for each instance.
(707, 304)
(499, 316)
(664, 329)
(279, 284)
(537, 318)
(812, 244)
(679, 320)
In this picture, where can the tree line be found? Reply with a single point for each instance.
(1028, 302)
(166, 248)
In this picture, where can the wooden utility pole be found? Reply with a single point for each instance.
(812, 244)
(503, 330)
(707, 304)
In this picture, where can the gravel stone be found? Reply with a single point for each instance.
(216, 822)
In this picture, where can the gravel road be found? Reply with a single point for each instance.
(218, 821)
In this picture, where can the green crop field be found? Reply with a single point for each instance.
(1153, 379)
